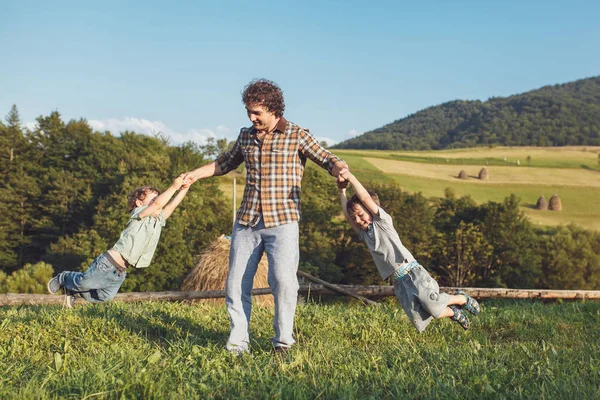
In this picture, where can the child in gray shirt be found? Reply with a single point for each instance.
(417, 292)
(135, 247)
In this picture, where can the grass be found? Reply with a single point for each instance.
(515, 349)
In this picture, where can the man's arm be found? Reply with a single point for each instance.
(226, 162)
(311, 148)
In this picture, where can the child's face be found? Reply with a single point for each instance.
(362, 218)
(149, 199)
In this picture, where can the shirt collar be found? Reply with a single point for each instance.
(280, 127)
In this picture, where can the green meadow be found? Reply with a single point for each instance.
(572, 173)
(516, 349)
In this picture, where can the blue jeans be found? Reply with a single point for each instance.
(247, 246)
(98, 284)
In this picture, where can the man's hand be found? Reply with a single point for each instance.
(337, 168)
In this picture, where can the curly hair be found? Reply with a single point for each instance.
(139, 194)
(266, 93)
(354, 200)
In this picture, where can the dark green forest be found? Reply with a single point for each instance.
(63, 201)
(559, 115)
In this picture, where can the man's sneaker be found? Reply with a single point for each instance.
(54, 285)
(238, 350)
(471, 305)
(460, 317)
(281, 350)
(69, 298)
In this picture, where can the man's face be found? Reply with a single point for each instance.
(261, 118)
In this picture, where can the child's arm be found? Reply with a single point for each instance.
(344, 201)
(169, 208)
(361, 192)
(162, 199)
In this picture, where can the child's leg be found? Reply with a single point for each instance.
(107, 293)
(101, 277)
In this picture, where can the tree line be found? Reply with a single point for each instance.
(559, 115)
(63, 201)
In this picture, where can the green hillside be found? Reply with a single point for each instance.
(559, 115)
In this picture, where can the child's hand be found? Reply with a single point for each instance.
(342, 184)
(187, 181)
(178, 181)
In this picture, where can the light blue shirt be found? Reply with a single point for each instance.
(139, 239)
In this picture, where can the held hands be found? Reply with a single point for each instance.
(183, 181)
(342, 179)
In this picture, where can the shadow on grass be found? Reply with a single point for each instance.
(160, 326)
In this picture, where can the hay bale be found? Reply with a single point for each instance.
(210, 273)
(542, 203)
(483, 174)
(462, 174)
(555, 203)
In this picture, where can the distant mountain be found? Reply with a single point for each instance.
(559, 115)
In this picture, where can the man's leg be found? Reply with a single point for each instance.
(244, 256)
(281, 245)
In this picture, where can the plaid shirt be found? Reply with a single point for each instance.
(274, 171)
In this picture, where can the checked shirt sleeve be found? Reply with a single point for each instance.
(310, 147)
(231, 159)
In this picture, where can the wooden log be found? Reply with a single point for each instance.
(336, 288)
(374, 291)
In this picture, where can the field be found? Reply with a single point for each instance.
(571, 172)
(515, 349)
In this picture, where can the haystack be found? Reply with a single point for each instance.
(483, 174)
(210, 273)
(462, 174)
(555, 203)
(542, 204)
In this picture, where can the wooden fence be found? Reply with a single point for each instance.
(311, 291)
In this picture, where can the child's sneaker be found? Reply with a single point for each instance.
(54, 285)
(460, 317)
(69, 298)
(471, 305)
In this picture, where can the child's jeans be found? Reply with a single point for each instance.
(98, 284)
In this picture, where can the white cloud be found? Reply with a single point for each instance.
(140, 125)
(30, 125)
(330, 141)
(353, 133)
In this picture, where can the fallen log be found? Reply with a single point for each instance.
(336, 288)
(373, 291)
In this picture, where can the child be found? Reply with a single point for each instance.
(416, 290)
(136, 246)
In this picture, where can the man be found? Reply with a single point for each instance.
(275, 152)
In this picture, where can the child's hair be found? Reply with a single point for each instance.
(355, 200)
(139, 194)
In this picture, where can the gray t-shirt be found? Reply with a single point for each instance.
(385, 245)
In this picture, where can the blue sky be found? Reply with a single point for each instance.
(345, 67)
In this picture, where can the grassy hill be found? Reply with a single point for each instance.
(515, 349)
(559, 115)
(529, 172)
